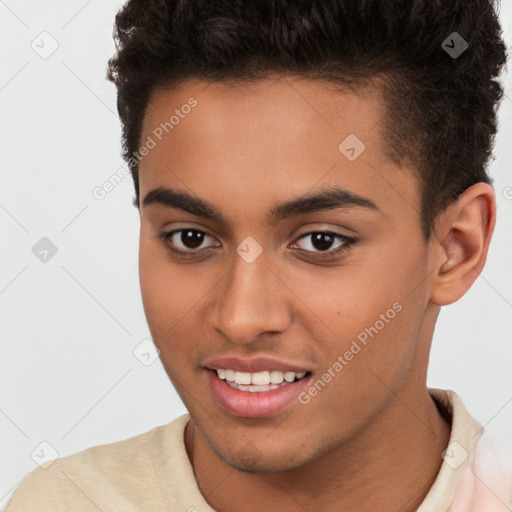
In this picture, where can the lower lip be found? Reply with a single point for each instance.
(247, 404)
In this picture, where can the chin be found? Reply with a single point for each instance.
(249, 459)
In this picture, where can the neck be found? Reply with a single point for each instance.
(389, 465)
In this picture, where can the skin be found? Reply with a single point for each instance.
(372, 438)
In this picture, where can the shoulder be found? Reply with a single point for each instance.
(485, 456)
(94, 477)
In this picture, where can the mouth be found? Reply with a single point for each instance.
(257, 394)
(258, 382)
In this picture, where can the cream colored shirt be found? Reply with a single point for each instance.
(151, 472)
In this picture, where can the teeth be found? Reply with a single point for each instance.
(252, 388)
(262, 380)
(276, 377)
(242, 378)
(289, 376)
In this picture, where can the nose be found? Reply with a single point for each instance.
(249, 301)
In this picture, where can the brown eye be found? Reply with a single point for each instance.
(187, 241)
(191, 238)
(324, 241)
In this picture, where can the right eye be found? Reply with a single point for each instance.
(185, 241)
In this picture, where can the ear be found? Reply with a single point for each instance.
(460, 243)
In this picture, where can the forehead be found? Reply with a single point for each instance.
(280, 135)
(287, 106)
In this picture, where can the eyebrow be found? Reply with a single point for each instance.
(327, 199)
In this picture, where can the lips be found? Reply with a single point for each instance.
(255, 365)
(242, 396)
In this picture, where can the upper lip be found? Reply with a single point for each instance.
(258, 364)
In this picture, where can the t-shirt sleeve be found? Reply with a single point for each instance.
(50, 490)
(113, 477)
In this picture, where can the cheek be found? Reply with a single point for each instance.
(365, 313)
(343, 302)
(173, 296)
(364, 366)
(164, 294)
(379, 328)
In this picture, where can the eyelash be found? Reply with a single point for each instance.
(348, 244)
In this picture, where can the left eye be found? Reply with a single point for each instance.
(185, 240)
(322, 241)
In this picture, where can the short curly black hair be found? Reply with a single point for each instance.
(440, 108)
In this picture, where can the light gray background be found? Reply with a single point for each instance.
(69, 327)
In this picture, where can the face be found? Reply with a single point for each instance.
(278, 248)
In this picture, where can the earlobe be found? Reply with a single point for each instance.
(462, 238)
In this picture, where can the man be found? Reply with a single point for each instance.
(311, 184)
